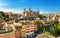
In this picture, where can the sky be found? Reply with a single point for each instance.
(45, 6)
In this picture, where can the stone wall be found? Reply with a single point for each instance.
(18, 33)
(8, 35)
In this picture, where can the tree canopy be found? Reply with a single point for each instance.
(3, 16)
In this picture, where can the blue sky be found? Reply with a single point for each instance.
(45, 6)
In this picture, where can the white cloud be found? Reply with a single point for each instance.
(20, 11)
(3, 4)
(11, 10)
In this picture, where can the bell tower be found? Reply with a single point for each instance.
(29, 9)
(37, 11)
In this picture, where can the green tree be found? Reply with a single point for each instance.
(40, 16)
(3, 16)
(39, 24)
(58, 27)
(55, 22)
(18, 27)
(39, 28)
(2, 13)
(55, 25)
